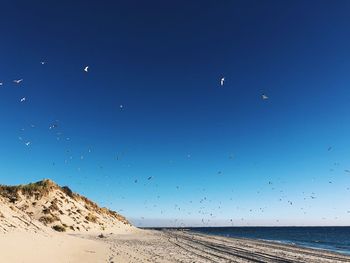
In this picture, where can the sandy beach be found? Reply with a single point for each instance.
(43, 222)
(55, 248)
(151, 246)
(178, 246)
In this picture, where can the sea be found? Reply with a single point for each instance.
(336, 239)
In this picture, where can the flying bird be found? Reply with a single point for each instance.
(121, 106)
(1, 83)
(17, 81)
(222, 81)
(23, 99)
(264, 97)
(42, 62)
(149, 178)
(53, 126)
(86, 69)
(27, 143)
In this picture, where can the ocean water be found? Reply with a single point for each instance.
(335, 239)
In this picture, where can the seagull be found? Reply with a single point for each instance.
(149, 178)
(27, 143)
(264, 97)
(222, 81)
(42, 62)
(86, 69)
(23, 99)
(17, 81)
(1, 83)
(53, 126)
(121, 106)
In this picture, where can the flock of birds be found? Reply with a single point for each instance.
(86, 69)
(207, 216)
(19, 81)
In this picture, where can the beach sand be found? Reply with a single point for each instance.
(179, 246)
(151, 246)
(54, 248)
(30, 213)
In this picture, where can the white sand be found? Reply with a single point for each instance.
(151, 246)
(53, 248)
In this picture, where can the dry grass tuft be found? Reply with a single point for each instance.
(59, 228)
(38, 189)
(68, 191)
(91, 218)
(48, 219)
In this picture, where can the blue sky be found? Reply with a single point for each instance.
(216, 155)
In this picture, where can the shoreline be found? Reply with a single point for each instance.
(320, 245)
(159, 246)
(284, 242)
(181, 246)
(268, 248)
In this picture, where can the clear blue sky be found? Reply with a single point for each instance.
(215, 154)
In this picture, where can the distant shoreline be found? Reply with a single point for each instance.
(257, 249)
(315, 237)
(193, 227)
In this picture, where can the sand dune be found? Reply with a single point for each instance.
(33, 216)
(37, 222)
(42, 205)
